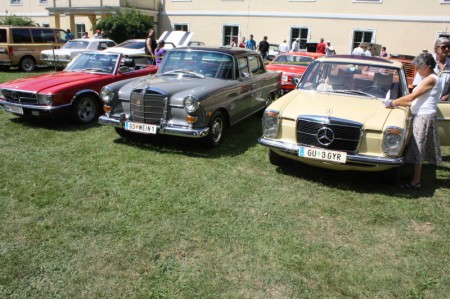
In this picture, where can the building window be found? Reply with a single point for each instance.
(41, 2)
(445, 1)
(302, 33)
(367, 1)
(80, 30)
(360, 36)
(302, 0)
(228, 33)
(15, 2)
(181, 27)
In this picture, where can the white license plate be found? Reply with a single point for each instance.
(14, 109)
(322, 154)
(141, 128)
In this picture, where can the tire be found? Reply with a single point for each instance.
(27, 64)
(85, 109)
(216, 130)
(276, 159)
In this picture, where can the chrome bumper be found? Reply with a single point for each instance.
(163, 129)
(294, 148)
(34, 107)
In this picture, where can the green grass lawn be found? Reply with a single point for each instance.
(86, 214)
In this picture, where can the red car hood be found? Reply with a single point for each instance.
(53, 80)
(295, 69)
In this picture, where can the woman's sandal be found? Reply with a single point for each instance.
(411, 186)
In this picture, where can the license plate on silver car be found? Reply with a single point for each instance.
(14, 109)
(141, 128)
(322, 154)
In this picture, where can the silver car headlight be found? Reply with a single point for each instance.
(190, 104)
(106, 94)
(270, 122)
(45, 99)
(393, 140)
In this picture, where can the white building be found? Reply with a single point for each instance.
(403, 26)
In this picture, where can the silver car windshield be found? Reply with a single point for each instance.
(197, 63)
(356, 79)
(94, 62)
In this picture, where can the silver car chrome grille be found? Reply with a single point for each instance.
(330, 133)
(17, 96)
(147, 107)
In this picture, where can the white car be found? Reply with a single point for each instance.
(62, 56)
(129, 47)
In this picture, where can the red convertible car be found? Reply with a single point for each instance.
(73, 91)
(292, 65)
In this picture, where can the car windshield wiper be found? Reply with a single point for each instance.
(184, 71)
(357, 92)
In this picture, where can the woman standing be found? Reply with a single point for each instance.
(424, 144)
(234, 41)
(160, 52)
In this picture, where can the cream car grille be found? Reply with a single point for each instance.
(330, 133)
(147, 107)
(17, 96)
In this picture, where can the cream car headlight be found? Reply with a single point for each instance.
(190, 104)
(106, 94)
(393, 140)
(270, 123)
(45, 99)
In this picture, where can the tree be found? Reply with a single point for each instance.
(16, 21)
(122, 26)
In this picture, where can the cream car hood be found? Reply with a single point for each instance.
(371, 112)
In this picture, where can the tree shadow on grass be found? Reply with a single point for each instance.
(237, 139)
(372, 182)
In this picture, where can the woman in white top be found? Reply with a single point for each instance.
(424, 144)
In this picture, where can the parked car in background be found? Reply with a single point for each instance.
(336, 118)
(22, 45)
(61, 57)
(129, 47)
(196, 93)
(292, 65)
(410, 69)
(73, 91)
(273, 51)
(195, 44)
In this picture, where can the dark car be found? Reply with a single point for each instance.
(196, 93)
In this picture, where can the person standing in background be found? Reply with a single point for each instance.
(321, 46)
(250, 43)
(159, 52)
(263, 48)
(383, 52)
(150, 46)
(242, 43)
(234, 42)
(330, 50)
(441, 52)
(295, 45)
(283, 48)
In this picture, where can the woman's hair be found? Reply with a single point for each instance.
(424, 60)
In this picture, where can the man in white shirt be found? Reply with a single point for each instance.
(358, 50)
(283, 48)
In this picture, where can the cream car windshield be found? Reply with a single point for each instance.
(354, 79)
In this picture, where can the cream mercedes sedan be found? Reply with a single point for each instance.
(336, 118)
